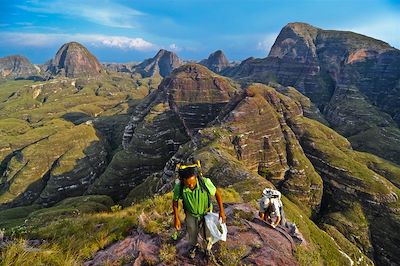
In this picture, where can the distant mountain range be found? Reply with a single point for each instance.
(74, 60)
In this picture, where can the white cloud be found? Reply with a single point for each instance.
(49, 40)
(266, 43)
(174, 47)
(124, 42)
(103, 12)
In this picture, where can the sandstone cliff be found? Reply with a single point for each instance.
(353, 79)
(74, 60)
(184, 102)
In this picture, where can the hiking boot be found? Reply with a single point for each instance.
(192, 252)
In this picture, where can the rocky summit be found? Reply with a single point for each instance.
(74, 60)
(353, 79)
(17, 66)
(216, 61)
(162, 64)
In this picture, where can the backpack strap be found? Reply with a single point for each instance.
(200, 179)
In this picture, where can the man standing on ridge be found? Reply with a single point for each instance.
(195, 191)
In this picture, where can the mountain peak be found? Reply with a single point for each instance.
(301, 34)
(74, 60)
(16, 66)
(162, 64)
(298, 41)
(300, 26)
(162, 52)
(216, 61)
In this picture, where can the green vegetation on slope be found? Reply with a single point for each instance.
(50, 128)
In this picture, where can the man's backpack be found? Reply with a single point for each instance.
(275, 195)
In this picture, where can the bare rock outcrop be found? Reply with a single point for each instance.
(249, 242)
(17, 66)
(74, 60)
(216, 61)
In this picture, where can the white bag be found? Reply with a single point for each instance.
(217, 229)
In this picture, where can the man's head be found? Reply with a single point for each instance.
(188, 175)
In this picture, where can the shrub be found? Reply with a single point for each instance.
(116, 208)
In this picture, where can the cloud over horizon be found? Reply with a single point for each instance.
(52, 39)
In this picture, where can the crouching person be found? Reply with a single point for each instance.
(271, 207)
(271, 211)
(194, 190)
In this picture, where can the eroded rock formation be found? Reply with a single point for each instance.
(74, 60)
(162, 64)
(185, 102)
(352, 78)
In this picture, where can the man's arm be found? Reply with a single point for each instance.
(220, 205)
(177, 222)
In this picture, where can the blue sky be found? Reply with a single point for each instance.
(124, 31)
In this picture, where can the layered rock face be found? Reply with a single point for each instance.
(264, 131)
(353, 79)
(74, 60)
(259, 121)
(162, 64)
(197, 95)
(357, 200)
(17, 66)
(184, 102)
(216, 61)
(251, 135)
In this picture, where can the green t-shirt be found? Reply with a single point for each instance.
(195, 202)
